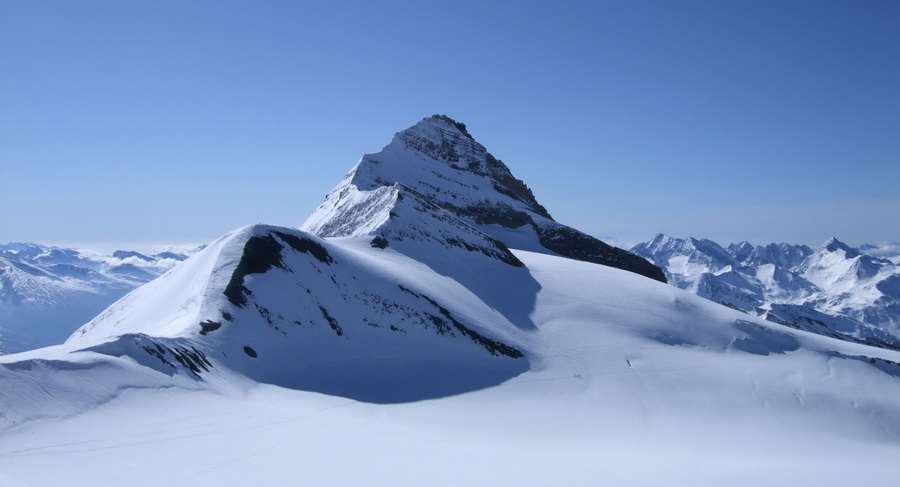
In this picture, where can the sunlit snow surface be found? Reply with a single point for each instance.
(629, 382)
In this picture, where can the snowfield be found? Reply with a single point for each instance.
(630, 382)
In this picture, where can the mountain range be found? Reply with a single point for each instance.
(48, 292)
(430, 322)
(835, 290)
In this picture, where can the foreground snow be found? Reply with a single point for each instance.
(279, 437)
(631, 382)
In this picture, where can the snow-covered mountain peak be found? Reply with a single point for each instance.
(835, 245)
(402, 341)
(686, 256)
(262, 296)
(837, 267)
(662, 241)
(740, 251)
(439, 162)
(439, 157)
(783, 255)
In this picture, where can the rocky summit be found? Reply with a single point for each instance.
(440, 164)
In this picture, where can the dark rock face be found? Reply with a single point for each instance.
(260, 254)
(263, 252)
(572, 243)
(498, 214)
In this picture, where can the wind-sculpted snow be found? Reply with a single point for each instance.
(440, 162)
(836, 290)
(763, 341)
(61, 381)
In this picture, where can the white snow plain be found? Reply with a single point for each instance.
(630, 382)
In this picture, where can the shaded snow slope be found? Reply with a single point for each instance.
(440, 161)
(835, 290)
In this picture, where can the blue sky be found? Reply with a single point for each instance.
(137, 123)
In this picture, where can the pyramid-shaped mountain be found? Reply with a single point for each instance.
(439, 164)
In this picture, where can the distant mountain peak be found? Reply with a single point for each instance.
(833, 245)
(47, 292)
(125, 254)
(835, 290)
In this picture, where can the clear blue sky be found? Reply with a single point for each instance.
(135, 123)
